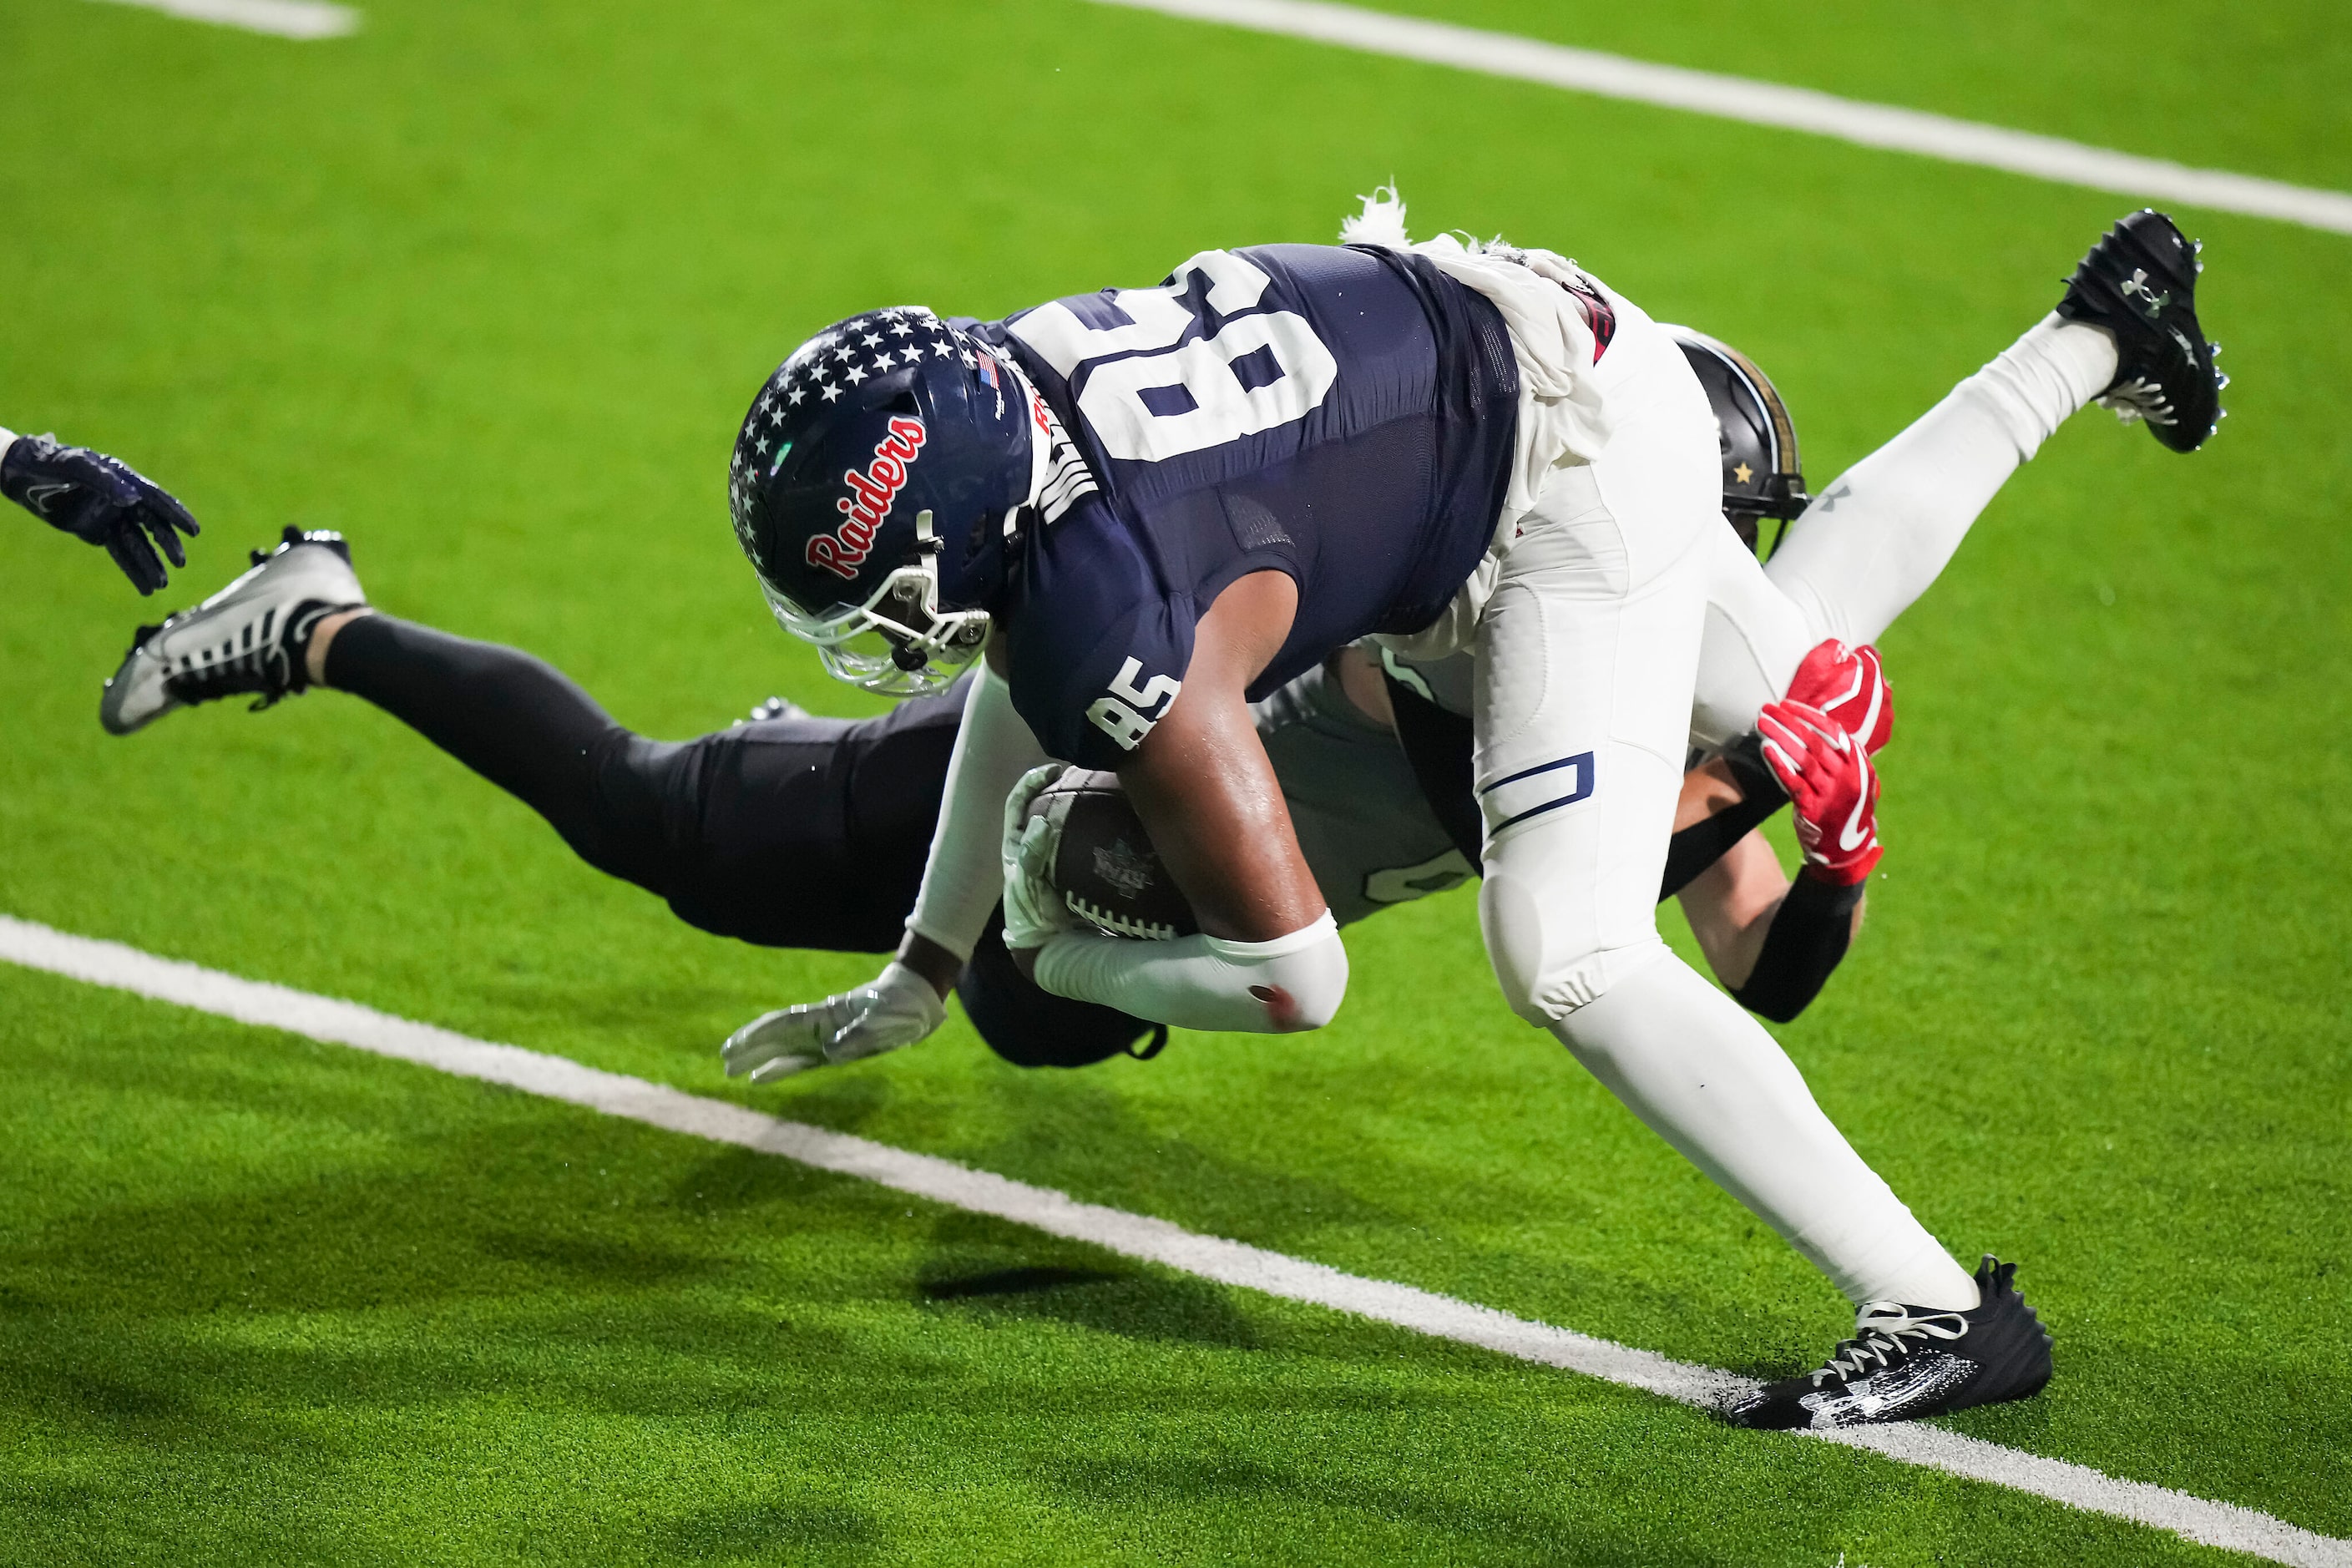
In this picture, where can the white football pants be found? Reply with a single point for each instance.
(1586, 659)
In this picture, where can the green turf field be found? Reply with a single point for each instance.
(488, 288)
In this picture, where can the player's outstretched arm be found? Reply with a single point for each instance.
(99, 499)
(1269, 959)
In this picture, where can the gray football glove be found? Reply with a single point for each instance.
(897, 1009)
(1033, 912)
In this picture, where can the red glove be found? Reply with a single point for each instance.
(1848, 684)
(1828, 774)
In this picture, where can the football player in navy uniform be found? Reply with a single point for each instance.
(1153, 505)
(100, 501)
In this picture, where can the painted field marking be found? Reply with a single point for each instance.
(1769, 103)
(280, 18)
(333, 1022)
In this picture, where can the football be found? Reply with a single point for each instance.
(1107, 871)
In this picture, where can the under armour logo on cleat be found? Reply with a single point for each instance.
(2152, 301)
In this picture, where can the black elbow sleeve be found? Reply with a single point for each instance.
(1805, 944)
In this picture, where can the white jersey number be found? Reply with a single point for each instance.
(1404, 883)
(1263, 370)
(1128, 714)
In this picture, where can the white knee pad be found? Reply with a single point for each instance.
(1545, 951)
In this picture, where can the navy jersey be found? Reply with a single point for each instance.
(1343, 415)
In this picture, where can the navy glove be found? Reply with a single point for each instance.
(100, 501)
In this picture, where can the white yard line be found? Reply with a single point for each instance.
(280, 18)
(1769, 103)
(1134, 1236)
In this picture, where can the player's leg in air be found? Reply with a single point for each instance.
(788, 830)
(2126, 334)
(1846, 566)
(635, 808)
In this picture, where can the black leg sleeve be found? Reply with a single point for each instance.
(804, 832)
(1806, 941)
(521, 724)
(793, 832)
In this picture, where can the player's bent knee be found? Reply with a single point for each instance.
(1547, 967)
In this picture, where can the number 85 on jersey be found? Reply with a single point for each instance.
(1128, 714)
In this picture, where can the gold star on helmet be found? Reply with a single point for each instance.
(1743, 473)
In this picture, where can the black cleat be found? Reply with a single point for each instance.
(1905, 1363)
(2139, 282)
(250, 638)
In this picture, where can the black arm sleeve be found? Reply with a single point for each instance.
(1807, 940)
(1702, 844)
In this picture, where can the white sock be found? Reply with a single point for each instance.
(2035, 383)
(1706, 1078)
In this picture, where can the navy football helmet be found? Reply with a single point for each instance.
(874, 486)
(1762, 476)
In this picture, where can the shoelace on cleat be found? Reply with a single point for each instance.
(2138, 398)
(1880, 1330)
(258, 661)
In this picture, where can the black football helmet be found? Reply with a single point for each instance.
(1762, 476)
(873, 485)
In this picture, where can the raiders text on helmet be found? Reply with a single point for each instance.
(1761, 475)
(873, 485)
